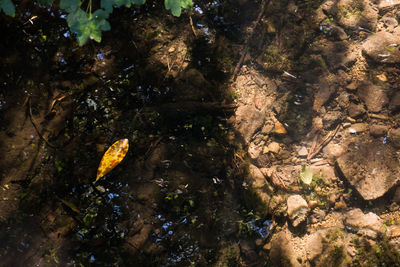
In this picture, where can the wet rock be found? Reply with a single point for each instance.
(356, 110)
(317, 216)
(333, 150)
(357, 128)
(396, 197)
(343, 100)
(332, 118)
(273, 147)
(282, 176)
(374, 96)
(372, 168)
(394, 231)
(381, 47)
(302, 152)
(282, 252)
(368, 224)
(394, 104)
(257, 179)
(248, 120)
(394, 136)
(254, 150)
(322, 96)
(352, 14)
(378, 130)
(297, 209)
(338, 54)
(389, 22)
(387, 3)
(338, 33)
(314, 245)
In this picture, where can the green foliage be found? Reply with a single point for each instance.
(7, 7)
(176, 5)
(87, 25)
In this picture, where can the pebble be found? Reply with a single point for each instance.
(302, 152)
(273, 147)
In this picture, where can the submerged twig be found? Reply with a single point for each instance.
(34, 125)
(315, 150)
(247, 42)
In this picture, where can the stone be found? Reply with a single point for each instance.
(358, 128)
(297, 209)
(355, 110)
(333, 150)
(248, 120)
(381, 47)
(343, 100)
(302, 152)
(368, 224)
(281, 251)
(274, 147)
(387, 3)
(331, 118)
(353, 14)
(338, 54)
(394, 137)
(377, 130)
(318, 215)
(314, 245)
(374, 96)
(322, 96)
(338, 33)
(254, 150)
(257, 179)
(372, 168)
(394, 104)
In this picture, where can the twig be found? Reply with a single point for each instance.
(191, 24)
(247, 42)
(327, 139)
(377, 116)
(34, 125)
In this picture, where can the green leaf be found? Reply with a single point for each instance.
(50, 2)
(176, 5)
(8, 7)
(139, 2)
(86, 26)
(306, 174)
(69, 5)
(107, 5)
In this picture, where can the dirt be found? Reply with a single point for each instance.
(214, 158)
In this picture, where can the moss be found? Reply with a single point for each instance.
(354, 8)
(335, 256)
(382, 254)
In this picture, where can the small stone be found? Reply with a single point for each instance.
(334, 150)
(314, 245)
(358, 128)
(302, 152)
(279, 128)
(297, 209)
(352, 86)
(312, 204)
(318, 215)
(378, 130)
(171, 49)
(274, 147)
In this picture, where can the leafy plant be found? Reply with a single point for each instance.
(89, 25)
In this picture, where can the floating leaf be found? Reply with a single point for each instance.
(306, 174)
(113, 156)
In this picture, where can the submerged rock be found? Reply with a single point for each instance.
(372, 168)
(282, 252)
(374, 96)
(383, 47)
(368, 224)
(297, 209)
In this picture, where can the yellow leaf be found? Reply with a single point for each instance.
(113, 156)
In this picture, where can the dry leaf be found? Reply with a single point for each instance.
(113, 156)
